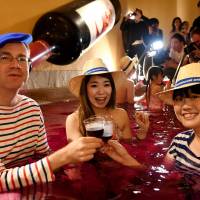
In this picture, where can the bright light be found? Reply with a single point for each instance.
(151, 53)
(157, 45)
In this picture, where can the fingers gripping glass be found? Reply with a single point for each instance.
(8, 58)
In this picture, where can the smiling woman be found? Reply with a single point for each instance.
(96, 90)
(184, 151)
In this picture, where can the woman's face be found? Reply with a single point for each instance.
(177, 23)
(158, 79)
(99, 91)
(176, 45)
(188, 110)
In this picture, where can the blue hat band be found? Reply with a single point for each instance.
(94, 70)
(187, 81)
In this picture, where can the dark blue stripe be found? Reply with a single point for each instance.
(12, 144)
(98, 69)
(18, 131)
(187, 81)
(187, 160)
(45, 173)
(29, 116)
(6, 180)
(18, 111)
(19, 179)
(34, 182)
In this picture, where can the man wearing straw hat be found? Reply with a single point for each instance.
(184, 151)
(22, 130)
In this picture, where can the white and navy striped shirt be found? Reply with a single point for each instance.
(185, 160)
(23, 136)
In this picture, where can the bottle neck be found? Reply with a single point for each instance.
(40, 51)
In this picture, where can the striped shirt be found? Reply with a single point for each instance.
(185, 160)
(23, 137)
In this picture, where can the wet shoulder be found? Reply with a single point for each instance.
(119, 112)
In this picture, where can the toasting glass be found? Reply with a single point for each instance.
(94, 126)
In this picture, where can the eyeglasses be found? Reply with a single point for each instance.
(8, 58)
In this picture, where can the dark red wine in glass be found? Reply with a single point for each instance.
(108, 131)
(95, 132)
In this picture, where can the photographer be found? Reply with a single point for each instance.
(193, 49)
(134, 33)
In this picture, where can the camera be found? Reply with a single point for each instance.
(190, 51)
(191, 47)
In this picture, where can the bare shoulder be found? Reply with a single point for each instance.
(120, 112)
(72, 117)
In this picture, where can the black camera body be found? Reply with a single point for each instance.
(191, 47)
(190, 51)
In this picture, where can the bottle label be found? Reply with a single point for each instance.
(99, 16)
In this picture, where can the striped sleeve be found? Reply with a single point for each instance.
(42, 143)
(34, 173)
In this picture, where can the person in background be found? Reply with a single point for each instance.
(176, 26)
(126, 90)
(196, 22)
(193, 49)
(25, 156)
(96, 89)
(176, 53)
(185, 28)
(134, 33)
(155, 84)
(155, 34)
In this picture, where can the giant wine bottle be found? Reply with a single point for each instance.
(70, 29)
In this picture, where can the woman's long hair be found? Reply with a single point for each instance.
(173, 24)
(85, 109)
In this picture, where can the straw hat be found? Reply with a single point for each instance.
(94, 66)
(187, 76)
(128, 64)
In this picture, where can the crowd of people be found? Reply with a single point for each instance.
(182, 48)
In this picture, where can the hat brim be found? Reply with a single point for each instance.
(167, 95)
(74, 84)
(179, 87)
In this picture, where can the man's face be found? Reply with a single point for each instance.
(14, 68)
(196, 39)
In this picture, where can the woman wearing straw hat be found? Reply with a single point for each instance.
(96, 89)
(184, 151)
(126, 92)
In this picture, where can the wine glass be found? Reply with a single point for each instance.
(108, 130)
(94, 126)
